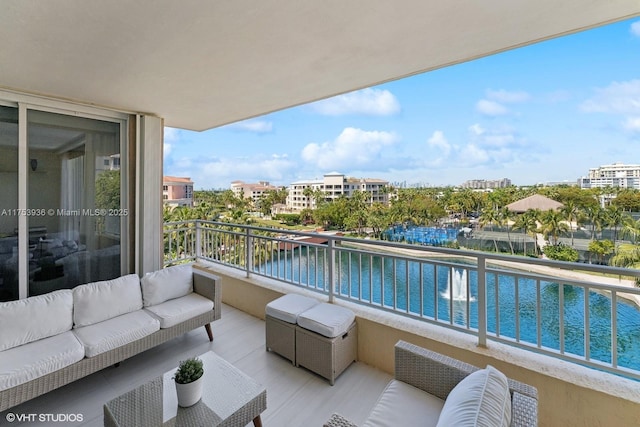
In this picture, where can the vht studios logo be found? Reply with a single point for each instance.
(44, 418)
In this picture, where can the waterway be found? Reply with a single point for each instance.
(372, 279)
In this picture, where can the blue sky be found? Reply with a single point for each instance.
(546, 112)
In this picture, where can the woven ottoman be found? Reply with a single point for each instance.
(281, 316)
(326, 340)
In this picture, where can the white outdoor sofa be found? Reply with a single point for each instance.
(434, 390)
(50, 340)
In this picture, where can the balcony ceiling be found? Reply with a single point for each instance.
(202, 64)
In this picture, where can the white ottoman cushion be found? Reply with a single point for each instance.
(116, 332)
(34, 318)
(175, 311)
(288, 307)
(327, 319)
(481, 399)
(404, 405)
(27, 362)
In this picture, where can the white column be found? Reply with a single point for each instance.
(149, 248)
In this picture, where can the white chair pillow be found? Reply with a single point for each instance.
(34, 318)
(482, 399)
(98, 301)
(168, 283)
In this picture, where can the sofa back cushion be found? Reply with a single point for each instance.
(98, 301)
(34, 318)
(481, 399)
(168, 283)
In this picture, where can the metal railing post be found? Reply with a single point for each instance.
(248, 243)
(482, 301)
(331, 268)
(198, 240)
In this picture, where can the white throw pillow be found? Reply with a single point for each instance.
(482, 399)
(34, 318)
(98, 301)
(168, 283)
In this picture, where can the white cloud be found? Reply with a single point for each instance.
(635, 28)
(352, 148)
(171, 134)
(632, 124)
(491, 108)
(618, 97)
(220, 171)
(508, 97)
(167, 149)
(372, 102)
(256, 126)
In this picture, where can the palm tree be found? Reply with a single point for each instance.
(307, 193)
(627, 255)
(614, 218)
(570, 212)
(490, 215)
(595, 215)
(553, 225)
(528, 223)
(506, 217)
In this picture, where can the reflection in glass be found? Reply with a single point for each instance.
(74, 191)
(8, 203)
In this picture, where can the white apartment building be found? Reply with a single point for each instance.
(482, 184)
(335, 185)
(615, 175)
(253, 191)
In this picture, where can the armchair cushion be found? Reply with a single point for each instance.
(403, 405)
(482, 399)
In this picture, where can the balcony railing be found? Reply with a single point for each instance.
(566, 310)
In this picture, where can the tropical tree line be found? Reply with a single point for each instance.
(431, 206)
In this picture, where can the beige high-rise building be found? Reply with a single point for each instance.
(334, 185)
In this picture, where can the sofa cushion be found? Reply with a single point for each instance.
(289, 306)
(327, 319)
(34, 318)
(401, 404)
(22, 364)
(168, 283)
(481, 399)
(98, 301)
(116, 332)
(177, 310)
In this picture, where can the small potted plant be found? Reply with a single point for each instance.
(188, 378)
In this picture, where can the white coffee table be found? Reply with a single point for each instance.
(229, 398)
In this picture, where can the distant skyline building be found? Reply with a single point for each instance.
(615, 175)
(483, 184)
(334, 185)
(177, 191)
(253, 191)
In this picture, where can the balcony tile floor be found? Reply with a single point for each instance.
(295, 396)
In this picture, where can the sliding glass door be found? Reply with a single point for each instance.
(74, 194)
(74, 213)
(8, 203)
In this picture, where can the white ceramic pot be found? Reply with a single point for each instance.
(189, 394)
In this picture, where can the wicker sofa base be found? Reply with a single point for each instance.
(281, 337)
(327, 357)
(204, 284)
